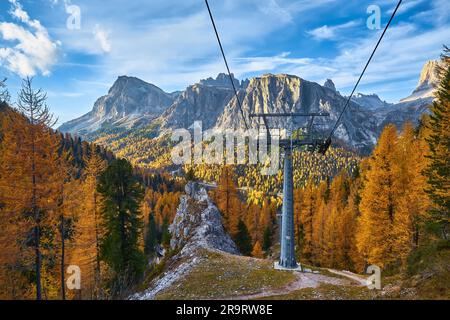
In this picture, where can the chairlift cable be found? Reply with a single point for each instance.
(226, 64)
(364, 70)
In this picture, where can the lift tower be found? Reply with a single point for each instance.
(288, 144)
(287, 255)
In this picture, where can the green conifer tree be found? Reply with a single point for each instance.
(121, 196)
(242, 239)
(438, 171)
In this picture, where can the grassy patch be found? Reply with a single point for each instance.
(328, 292)
(156, 270)
(224, 276)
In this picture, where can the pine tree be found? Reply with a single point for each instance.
(318, 225)
(4, 94)
(378, 202)
(257, 251)
(307, 211)
(226, 199)
(121, 196)
(337, 227)
(332, 252)
(242, 239)
(267, 238)
(29, 158)
(94, 166)
(412, 200)
(438, 170)
(64, 173)
(165, 234)
(352, 258)
(150, 237)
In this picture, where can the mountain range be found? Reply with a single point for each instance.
(133, 104)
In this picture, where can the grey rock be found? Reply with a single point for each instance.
(198, 224)
(130, 102)
(329, 84)
(287, 93)
(370, 101)
(205, 231)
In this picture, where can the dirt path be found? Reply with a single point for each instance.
(357, 278)
(303, 280)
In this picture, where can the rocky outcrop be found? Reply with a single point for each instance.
(198, 224)
(223, 80)
(196, 228)
(414, 106)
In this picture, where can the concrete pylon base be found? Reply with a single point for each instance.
(277, 266)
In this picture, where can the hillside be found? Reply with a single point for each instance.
(204, 264)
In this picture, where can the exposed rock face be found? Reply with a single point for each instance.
(223, 80)
(129, 102)
(329, 84)
(132, 103)
(401, 112)
(203, 101)
(287, 93)
(428, 82)
(370, 101)
(412, 107)
(198, 102)
(198, 224)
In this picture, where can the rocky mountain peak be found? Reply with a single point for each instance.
(370, 101)
(124, 83)
(286, 84)
(329, 84)
(428, 75)
(222, 80)
(428, 82)
(129, 101)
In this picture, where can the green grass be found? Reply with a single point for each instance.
(156, 270)
(328, 292)
(225, 276)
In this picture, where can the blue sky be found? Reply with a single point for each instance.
(171, 44)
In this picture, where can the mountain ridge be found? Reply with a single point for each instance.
(133, 103)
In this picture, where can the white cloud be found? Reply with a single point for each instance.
(173, 46)
(327, 33)
(272, 7)
(406, 6)
(399, 59)
(102, 38)
(437, 14)
(34, 52)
